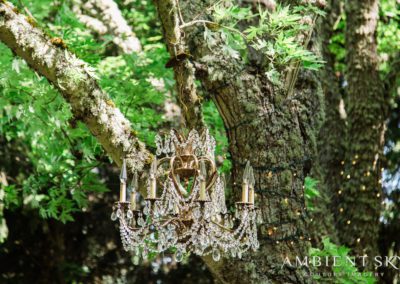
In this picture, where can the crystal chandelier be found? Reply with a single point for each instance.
(185, 206)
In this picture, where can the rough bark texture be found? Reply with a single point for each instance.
(331, 142)
(361, 191)
(75, 81)
(104, 17)
(184, 71)
(273, 132)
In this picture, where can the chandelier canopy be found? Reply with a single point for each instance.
(185, 206)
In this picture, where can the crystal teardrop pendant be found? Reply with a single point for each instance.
(119, 213)
(179, 255)
(140, 221)
(114, 216)
(259, 218)
(216, 255)
(129, 214)
(146, 210)
(233, 252)
(196, 213)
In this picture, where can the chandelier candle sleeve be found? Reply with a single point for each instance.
(251, 194)
(245, 184)
(245, 192)
(251, 186)
(153, 188)
(133, 200)
(203, 177)
(122, 186)
(153, 182)
(134, 186)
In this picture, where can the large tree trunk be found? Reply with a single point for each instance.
(366, 107)
(330, 139)
(273, 141)
(353, 133)
(264, 126)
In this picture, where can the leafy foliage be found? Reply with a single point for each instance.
(215, 124)
(63, 154)
(278, 36)
(344, 271)
(388, 33)
(388, 36)
(310, 192)
(337, 45)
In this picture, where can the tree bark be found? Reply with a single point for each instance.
(268, 129)
(184, 71)
(331, 145)
(77, 84)
(360, 194)
(104, 17)
(273, 143)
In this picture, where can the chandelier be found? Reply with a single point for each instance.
(185, 208)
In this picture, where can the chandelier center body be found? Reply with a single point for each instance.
(185, 205)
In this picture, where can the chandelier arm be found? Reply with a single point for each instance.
(169, 221)
(196, 173)
(221, 226)
(131, 229)
(163, 160)
(172, 171)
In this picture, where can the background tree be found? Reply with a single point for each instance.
(355, 128)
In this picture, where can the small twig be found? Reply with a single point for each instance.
(179, 12)
(294, 72)
(185, 25)
(212, 23)
(207, 9)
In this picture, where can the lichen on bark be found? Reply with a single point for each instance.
(184, 71)
(104, 17)
(76, 81)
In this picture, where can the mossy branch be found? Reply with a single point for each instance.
(104, 17)
(76, 81)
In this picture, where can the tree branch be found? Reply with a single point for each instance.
(184, 70)
(77, 84)
(104, 17)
